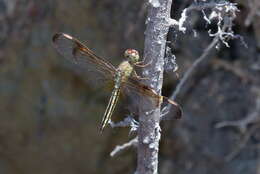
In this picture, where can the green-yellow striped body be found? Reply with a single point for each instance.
(77, 52)
(125, 70)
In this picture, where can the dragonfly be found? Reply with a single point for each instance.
(123, 77)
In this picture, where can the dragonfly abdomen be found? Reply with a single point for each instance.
(112, 101)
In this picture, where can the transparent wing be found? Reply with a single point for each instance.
(75, 51)
(134, 89)
(78, 53)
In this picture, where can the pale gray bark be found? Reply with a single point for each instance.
(149, 129)
(158, 23)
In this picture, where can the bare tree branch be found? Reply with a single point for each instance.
(187, 75)
(128, 121)
(242, 125)
(235, 69)
(120, 148)
(225, 14)
(204, 55)
(154, 50)
(158, 23)
(241, 144)
(216, 8)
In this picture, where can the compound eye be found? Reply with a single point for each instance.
(132, 54)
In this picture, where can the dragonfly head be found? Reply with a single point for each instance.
(132, 56)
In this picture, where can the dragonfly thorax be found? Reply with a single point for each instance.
(132, 56)
(125, 69)
(124, 75)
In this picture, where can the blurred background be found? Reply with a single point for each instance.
(50, 113)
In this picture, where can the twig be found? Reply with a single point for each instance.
(128, 121)
(221, 34)
(194, 66)
(240, 124)
(120, 148)
(234, 69)
(217, 9)
(208, 5)
(242, 143)
(243, 124)
(204, 55)
(225, 14)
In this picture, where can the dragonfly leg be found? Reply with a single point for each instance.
(139, 77)
(142, 65)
